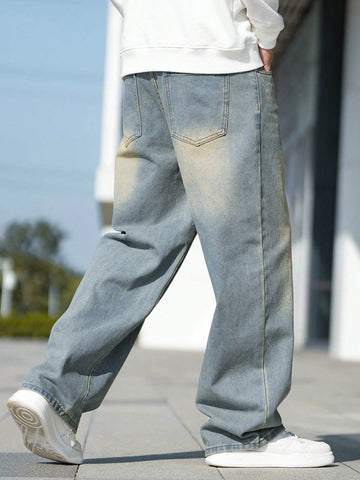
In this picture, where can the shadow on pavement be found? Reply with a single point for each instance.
(346, 447)
(147, 458)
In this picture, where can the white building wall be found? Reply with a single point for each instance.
(345, 311)
(296, 82)
(111, 113)
(182, 318)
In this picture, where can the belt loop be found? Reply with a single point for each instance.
(153, 79)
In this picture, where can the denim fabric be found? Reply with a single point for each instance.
(201, 153)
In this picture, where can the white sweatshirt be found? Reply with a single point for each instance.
(196, 36)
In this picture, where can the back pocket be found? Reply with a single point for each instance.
(131, 110)
(198, 106)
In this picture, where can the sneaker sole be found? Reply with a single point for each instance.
(264, 460)
(35, 434)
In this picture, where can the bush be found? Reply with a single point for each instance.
(36, 324)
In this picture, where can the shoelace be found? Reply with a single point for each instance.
(295, 437)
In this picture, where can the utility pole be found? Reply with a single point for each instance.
(9, 281)
(53, 302)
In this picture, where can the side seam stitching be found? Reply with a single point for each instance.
(262, 250)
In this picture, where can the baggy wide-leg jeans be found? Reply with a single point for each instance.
(201, 153)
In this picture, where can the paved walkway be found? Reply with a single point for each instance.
(148, 425)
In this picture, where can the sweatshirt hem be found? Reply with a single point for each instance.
(190, 60)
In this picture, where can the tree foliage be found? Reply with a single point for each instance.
(40, 240)
(35, 250)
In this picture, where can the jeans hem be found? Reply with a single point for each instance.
(54, 403)
(236, 447)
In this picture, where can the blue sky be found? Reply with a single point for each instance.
(52, 57)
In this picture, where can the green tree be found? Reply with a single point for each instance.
(40, 240)
(35, 250)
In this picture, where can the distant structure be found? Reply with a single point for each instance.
(111, 128)
(8, 284)
(316, 72)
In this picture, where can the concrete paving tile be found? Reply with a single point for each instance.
(354, 466)
(160, 469)
(335, 472)
(138, 431)
(135, 434)
(26, 465)
(181, 400)
(175, 377)
(142, 441)
(148, 425)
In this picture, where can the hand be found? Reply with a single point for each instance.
(266, 57)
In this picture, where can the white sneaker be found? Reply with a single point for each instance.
(285, 450)
(44, 432)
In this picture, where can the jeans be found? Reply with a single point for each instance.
(201, 154)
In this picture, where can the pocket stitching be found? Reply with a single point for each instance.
(138, 131)
(221, 132)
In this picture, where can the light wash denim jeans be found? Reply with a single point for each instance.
(201, 153)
